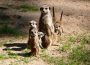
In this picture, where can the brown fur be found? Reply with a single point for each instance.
(57, 24)
(33, 45)
(33, 41)
(46, 26)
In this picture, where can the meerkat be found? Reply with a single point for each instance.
(57, 27)
(58, 30)
(46, 25)
(32, 25)
(40, 35)
(33, 41)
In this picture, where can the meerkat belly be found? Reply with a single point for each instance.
(48, 20)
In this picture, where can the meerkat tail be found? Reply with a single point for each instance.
(54, 19)
(61, 16)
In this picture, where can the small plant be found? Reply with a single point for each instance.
(26, 60)
(12, 55)
(65, 47)
(3, 56)
(72, 39)
(85, 39)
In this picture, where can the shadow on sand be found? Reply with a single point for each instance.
(17, 47)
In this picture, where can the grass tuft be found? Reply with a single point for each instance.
(80, 56)
(3, 56)
(9, 31)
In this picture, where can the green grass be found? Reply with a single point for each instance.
(72, 38)
(25, 60)
(5, 29)
(66, 46)
(26, 7)
(85, 39)
(78, 55)
(81, 55)
(52, 60)
(12, 55)
(9, 31)
(3, 56)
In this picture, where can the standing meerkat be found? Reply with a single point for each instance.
(46, 25)
(32, 25)
(33, 41)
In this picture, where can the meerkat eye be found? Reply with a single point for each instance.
(41, 8)
(46, 8)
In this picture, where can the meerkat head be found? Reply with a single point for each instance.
(34, 33)
(33, 24)
(57, 26)
(45, 9)
(40, 34)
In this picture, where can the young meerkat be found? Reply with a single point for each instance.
(46, 25)
(33, 41)
(57, 27)
(40, 35)
(32, 25)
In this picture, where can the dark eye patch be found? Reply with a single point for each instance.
(46, 8)
(41, 8)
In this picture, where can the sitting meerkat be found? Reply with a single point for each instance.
(57, 25)
(58, 29)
